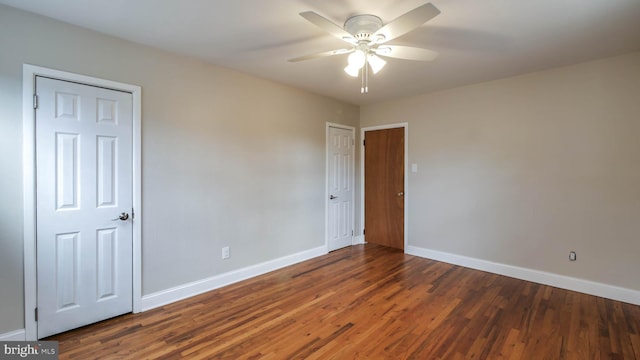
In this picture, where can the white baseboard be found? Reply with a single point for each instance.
(181, 292)
(358, 240)
(17, 335)
(537, 276)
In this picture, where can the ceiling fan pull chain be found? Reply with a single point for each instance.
(366, 81)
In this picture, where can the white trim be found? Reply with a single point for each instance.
(137, 199)
(358, 240)
(541, 277)
(326, 181)
(29, 72)
(181, 292)
(17, 335)
(406, 177)
(29, 201)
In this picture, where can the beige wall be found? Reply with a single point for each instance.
(228, 159)
(517, 171)
(522, 170)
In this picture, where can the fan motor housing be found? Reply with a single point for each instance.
(362, 26)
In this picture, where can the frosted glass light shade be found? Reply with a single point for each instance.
(356, 59)
(352, 70)
(376, 63)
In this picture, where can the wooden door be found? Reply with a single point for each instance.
(384, 187)
(84, 201)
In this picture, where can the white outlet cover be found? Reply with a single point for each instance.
(414, 168)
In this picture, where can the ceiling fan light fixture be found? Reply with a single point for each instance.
(357, 59)
(352, 71)
(366, 33)
(376, 63)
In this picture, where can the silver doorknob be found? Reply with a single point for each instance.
(331, 197)
(401, 193)
(123, 216)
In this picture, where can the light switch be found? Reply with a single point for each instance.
(414, 168)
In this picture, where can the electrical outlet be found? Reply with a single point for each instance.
(572, 255)
(225, 252)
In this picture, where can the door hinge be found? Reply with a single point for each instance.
(133, 214)
(352, 233)
(36, 313)
(364, 142)
(353, 141)
(362, 231)
(35, 101)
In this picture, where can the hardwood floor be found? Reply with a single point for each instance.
(370, 302)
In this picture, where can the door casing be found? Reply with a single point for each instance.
(29, 73)
(406, 175)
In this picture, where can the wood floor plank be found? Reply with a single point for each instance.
(370, 302)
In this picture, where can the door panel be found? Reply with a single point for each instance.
(66, 171)
(66, 270)
(106, 156)
(384, 187)
(83, 182)
(340, 154)
(107, 266)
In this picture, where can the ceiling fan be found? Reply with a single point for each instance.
(368, 38)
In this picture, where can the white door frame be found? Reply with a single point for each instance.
(326, 182)
(406, 175)
(29, 73)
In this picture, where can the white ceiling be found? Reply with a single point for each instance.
(478, 40)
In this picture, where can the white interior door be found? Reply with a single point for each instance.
(84, 182)
(340, 152)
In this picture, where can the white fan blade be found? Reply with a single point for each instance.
(406, 23)
(328, 26)
(322, 54)
(406, 52)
